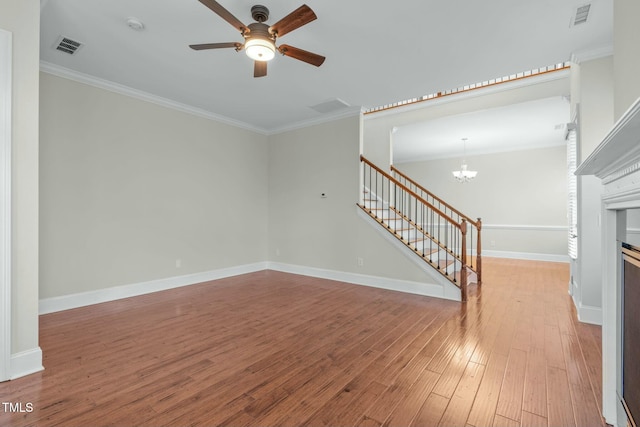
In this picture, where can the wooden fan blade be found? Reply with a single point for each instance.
(224, 14)
(215, 45)
(260, 68)
(302, 55)
(296, 19)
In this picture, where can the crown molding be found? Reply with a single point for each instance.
(350, 112)
(468, 94)
(69, 74)
(87, 79)
(592, 53)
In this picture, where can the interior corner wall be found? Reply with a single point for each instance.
(132, 192)
(523, 215)
(22, 19)
(626, 38)
(308, 230)
(595, 95)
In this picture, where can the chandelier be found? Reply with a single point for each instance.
(464, 174)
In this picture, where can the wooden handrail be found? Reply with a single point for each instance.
(463, 256)
(463, 225)
(451, 208)
(477, 224)
(410, 191)
(479, 252)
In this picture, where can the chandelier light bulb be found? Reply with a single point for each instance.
(464, 174)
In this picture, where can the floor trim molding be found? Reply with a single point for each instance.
(589, 314)
(418, 288)
(67, 302)
(26, 362)
(528, 256)
(83, 299)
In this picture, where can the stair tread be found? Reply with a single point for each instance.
(415, 234)
(458, 276)
(427, 252)
(443, 263)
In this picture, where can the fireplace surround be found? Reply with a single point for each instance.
(616, 161)
(629, 390)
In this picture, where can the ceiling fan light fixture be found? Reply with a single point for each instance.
(260, 49)
(260, 38)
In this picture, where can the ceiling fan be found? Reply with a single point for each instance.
(260, 38)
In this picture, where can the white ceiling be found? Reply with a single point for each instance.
(378, 52)
(527, 125)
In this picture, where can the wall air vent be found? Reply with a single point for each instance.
(581, 14)
(67, 45)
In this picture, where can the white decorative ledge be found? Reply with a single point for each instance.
(618, 154)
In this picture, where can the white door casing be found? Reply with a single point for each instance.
(5, 203)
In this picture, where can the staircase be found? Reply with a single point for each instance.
(439, 234)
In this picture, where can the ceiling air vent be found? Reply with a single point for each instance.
(581, 14)
(330, 106)
(67, 45)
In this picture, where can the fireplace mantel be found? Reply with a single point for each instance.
(619, 152)
(616, 161)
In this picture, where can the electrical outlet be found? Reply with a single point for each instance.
(493, 243)
(178, 263)
(277, 252)
(360, 261)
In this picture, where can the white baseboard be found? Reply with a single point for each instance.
(418, 288)
(438, 290)
(530, 256)
(26, 362)
(66, 302)
(589, 314)
(586, 313)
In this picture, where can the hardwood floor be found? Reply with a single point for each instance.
(274, 349)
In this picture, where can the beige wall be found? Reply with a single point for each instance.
(596, 98)
(128, 188)
(308, 230)
(626, 36)
(592, 100)
(521, 197)
(22, 18)
(596, 119)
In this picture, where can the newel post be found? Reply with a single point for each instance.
(479, 258)
(463, 270)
